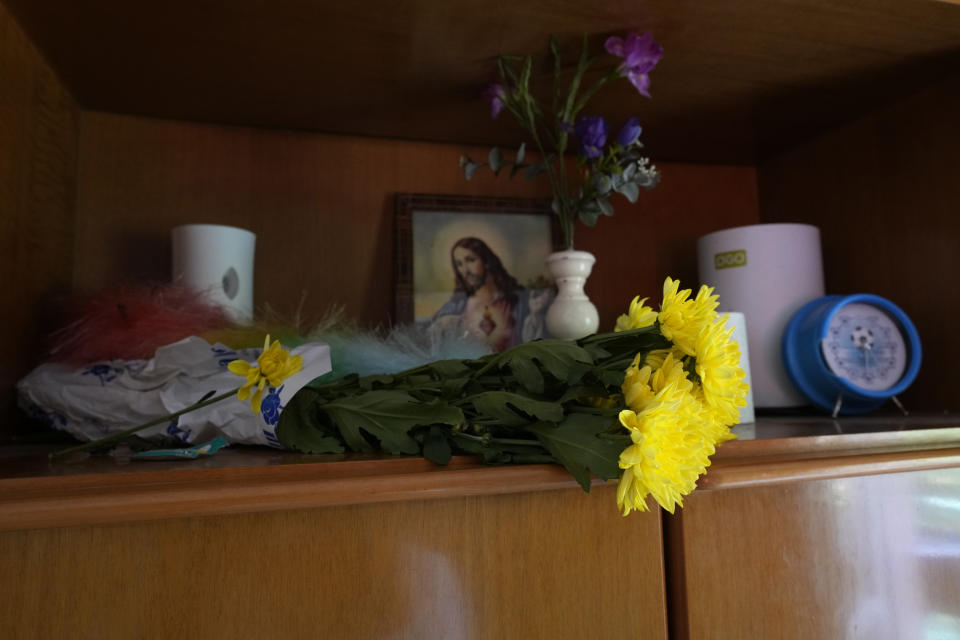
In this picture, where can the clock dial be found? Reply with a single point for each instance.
(866, 346)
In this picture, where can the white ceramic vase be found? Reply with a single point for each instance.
(571, 315)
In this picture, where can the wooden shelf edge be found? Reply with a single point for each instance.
(118, 502)
(731, 475)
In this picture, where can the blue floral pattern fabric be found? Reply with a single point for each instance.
(108, 397)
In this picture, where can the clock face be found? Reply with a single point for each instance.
(865, 346)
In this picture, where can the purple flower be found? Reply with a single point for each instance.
(640, 55)
(494, 96)
(592, 132)
(629, 133)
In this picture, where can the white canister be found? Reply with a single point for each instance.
(737, 322)
(767, 272)
(217, 260)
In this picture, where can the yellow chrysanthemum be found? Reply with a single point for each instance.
(672, 441)
(274, 366)
(638, 317)
(681, 319)
(721, 378)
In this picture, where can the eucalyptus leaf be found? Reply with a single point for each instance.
(576, 444)
(521, 153)
(605, 207)
(388, 416)
(601, 183)
(589, 216)
(533, 170)
(630, 191)
(471, 168)
(496, 160)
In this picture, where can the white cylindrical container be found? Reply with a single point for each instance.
(738, 323)
(217, 260)
(767, 272)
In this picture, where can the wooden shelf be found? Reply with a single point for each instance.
(38, 493)
(739, 81)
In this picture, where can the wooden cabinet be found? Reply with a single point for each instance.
(797, 531)
(352, 549)
(839, 536)
(118, 122)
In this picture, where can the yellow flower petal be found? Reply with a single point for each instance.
(239, 367)
(256, 401)
(274, 365)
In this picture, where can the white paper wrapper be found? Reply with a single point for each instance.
(108, 397)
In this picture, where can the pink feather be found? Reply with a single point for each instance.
(131, 321)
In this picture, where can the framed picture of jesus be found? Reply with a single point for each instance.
(473, 267)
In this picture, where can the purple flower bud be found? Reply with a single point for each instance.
(640, 55)
(494, 96)
(629, 133)
(592, 132)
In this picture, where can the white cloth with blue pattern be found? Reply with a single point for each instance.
(108, 397)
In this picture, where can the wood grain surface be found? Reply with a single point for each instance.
(884, 192)
(868, 557)
(322, 207)
(38, 155)
(739, 78)
(555, 564)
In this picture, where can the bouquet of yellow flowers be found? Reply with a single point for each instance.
(647, 403)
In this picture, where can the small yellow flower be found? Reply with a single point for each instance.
(274, 366)
(638, 317)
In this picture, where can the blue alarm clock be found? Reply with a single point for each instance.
(850, 354)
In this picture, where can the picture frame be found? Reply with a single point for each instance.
(438, 291)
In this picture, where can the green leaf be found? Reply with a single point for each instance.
(471, 168)
(436, 447)
(387, 416)
(556, 356)
(369, 383)
(528, 374)
(630, 191)
(576, 445)
(601, 184)
(521, 153)
(605, 207)
(582, 391)
(589, 216)
(533, 170)
(449, 368)
(300, 428)
(515, 410)
(496, 160)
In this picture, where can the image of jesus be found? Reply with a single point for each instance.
(488, 304)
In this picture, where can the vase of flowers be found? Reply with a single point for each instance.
(602, 167)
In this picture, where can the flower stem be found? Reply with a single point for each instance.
(513, 441)
(117, 437)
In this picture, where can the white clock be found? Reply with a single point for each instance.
(849, 354)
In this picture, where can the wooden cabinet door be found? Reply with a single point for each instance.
(873, 557)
